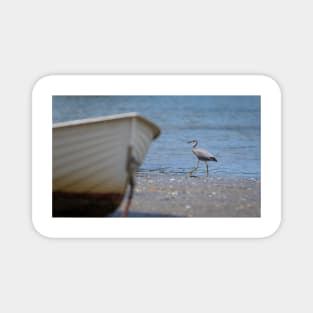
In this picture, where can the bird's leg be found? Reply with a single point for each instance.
(207, 168)
(193, 169)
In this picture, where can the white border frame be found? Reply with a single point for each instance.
(261, 85)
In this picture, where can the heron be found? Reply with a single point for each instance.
(202, 155)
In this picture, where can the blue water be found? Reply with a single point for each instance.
(226, 126)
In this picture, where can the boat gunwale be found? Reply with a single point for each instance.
(106, 118)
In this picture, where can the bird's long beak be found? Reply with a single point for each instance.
(189, 141)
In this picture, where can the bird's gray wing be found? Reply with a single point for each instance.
(203, 154)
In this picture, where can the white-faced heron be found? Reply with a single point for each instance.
(202, 155)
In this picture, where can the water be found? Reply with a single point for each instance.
(226, 126)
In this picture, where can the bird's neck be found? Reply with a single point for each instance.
(195, 144)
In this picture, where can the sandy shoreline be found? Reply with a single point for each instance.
(166, 195)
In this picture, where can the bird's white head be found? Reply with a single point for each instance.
(194, 142)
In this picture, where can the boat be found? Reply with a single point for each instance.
(94, 161)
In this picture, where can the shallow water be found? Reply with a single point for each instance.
(226, 126)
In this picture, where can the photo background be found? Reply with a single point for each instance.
(225, 37)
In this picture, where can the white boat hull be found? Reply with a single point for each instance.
(90, 161)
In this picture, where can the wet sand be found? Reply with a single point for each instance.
(165, 195)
